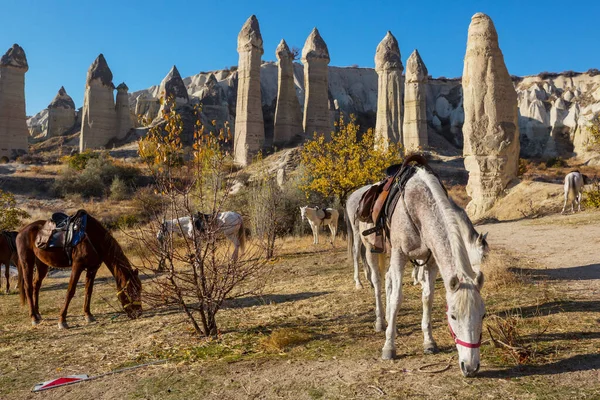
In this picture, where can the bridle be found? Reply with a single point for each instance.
(131, 302)
(457, 340)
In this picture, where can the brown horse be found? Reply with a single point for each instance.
(98, 247)
(8, 254)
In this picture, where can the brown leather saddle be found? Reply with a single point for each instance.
(322, 213)
(63, 231)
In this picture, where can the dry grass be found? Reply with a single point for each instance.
(498, 269)
(282, 339)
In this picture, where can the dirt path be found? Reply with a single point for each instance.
(566, 244)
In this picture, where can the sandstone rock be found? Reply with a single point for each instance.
(172, 86)
(13, 120)
(437, 124)
(249, 135)
(568, 95)
(288, 117)
(415, 103)
(124, 120)
(315, 57)
(388, 65)
(491, 130)
(61, 114)
(99, 116)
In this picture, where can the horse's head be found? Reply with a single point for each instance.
(130, 293)
(479, 250)
(303, 212)
(465, 320)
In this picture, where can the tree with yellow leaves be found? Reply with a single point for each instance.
(346, 162)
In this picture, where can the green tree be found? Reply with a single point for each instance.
(10, 215)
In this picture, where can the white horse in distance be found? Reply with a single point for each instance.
(229, 224)
(574, 182)
(315, 222)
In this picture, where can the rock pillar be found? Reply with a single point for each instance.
(315, 57)
(491, 129)
(288, 117)
(415, 104)
(13, 119)
(61, 114)
(249, 134)
(124, 122)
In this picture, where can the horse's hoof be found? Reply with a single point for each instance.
(379, 326)
(388, 354)
(90, 318)
(431, 349)
(35, 322)
(63, 325)
(358, 286)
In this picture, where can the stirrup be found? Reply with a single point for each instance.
(377, 250)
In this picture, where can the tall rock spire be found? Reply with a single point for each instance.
(249, 134)
(98, 125)
(491, 130)
(13, 120)
(61, 114)
(288, 117)
(315, 57)
(415, 103)
(389, 69)
(124, 120)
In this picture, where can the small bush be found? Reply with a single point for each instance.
(147, 203)
(591, 197)
(593, 72)
(523, 167)
(118, 189)
(556, 162)
(285, 338)
(10, 215)
(126, 221)
(79, 161)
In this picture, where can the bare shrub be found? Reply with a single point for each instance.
(196, 274)
(118, 189)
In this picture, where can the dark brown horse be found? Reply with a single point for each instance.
(8, 254)
(98, 247)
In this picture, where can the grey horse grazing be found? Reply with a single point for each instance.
(574, 182)
(424, 221)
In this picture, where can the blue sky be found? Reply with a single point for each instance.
(141, 40)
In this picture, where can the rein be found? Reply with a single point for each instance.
(131, 302)
(457, 340)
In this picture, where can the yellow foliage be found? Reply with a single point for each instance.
(347, 161)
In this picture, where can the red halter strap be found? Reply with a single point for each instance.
(457, 340)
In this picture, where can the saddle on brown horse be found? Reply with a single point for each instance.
(63, 231)
(378, 202)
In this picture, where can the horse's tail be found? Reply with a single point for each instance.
(20, 284)
(570, 187)
(242, 236)
(350, 234)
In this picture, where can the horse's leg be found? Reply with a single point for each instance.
(396, 269)
(565, 204)
(429, 275)
(236, 246)
(579, 201)
(75, 274)
(316, 233)
(27, 261)
(42, 271)
(90, 276)
(355, 255)
(372, 260)
(7, 275)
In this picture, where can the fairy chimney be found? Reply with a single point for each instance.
(249, 136)
(99, 116)
(13, 120)
(315, 57)
(415, 103)
(124, 121)
(388, 127)
(491, 129)
(61, 114)
(172, 87)
(288, 117)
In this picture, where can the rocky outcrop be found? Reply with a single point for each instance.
(13, 120)
(415, 104)
(172, 87)
(61, 114)
(249, 136)
(124, 118)
(214, 102)
(98, 125)
(288, 117)
(315, 57)
(146, 108)
(388, 65)
(491, 130)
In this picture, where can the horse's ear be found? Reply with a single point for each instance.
(136, 272)
(479, 280)
(484, 237)
(454, 283)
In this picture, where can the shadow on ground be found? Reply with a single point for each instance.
(553, 307)
(581, 273)
(580, 362)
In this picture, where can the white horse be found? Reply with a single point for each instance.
(574, 182)
(228, 223)
(310, 213)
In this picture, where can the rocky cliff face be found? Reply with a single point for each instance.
(554, 109)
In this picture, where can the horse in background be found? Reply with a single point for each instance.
(98, 246)
(328, 217)
(574, 182)
(8, 254)
(227, 223)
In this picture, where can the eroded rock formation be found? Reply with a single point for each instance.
(98, 125)
(315, 57)
(491, 130)
(61, 114)
(388, 65)
(288, 117)
(13, 120)
(415, 103)
(249, 135)
(124, 119)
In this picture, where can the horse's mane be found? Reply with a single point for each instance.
(453, 221)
